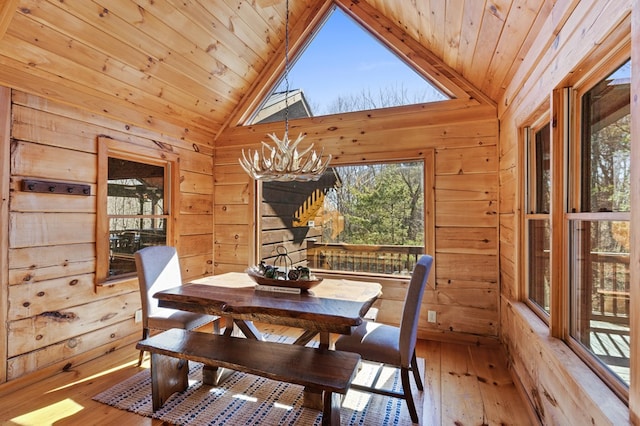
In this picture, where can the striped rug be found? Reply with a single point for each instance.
(244, 399)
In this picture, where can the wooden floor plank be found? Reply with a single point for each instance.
(497, 390)
(460, 393)
(431, 353)
(459, 389)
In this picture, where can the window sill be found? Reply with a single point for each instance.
(559, 384)
(129, 281)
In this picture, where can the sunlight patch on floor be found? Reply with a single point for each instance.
(245, 397)
(50, 414)
(100, 374)
(358, 400)
(283, 406)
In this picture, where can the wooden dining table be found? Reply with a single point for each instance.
(333, 306)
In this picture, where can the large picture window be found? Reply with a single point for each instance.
(135, 207)
(362, 218)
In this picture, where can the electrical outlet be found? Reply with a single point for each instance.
(431, 316)
(138, 316)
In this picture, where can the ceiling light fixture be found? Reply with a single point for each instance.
(283, 163)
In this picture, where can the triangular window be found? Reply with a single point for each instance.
(345, 69)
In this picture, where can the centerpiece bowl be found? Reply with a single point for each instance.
(303, 284)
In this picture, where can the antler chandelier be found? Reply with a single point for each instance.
(283, 163)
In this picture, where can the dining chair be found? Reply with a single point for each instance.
(390, 345)
(158, 268)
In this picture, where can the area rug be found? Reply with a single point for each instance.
(244, 399)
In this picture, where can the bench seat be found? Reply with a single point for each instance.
(330, 372)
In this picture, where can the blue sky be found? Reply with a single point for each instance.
(344, 59)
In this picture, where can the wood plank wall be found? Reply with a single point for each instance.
(464, 242)
(56, 316)
(562, 389)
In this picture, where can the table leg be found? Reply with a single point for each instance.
(215, 376)
(305, 337)
(312, 398)
(249, 330)
(325, 340)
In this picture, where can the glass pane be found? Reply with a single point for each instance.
(128, 235)
(600, 291)
(322, 80)
(542, 176)
(134, 189)
(367, 218)
(606, 144)
(539, 274)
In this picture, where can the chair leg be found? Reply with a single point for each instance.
(145, 335)
(408, 396)
(416, 372)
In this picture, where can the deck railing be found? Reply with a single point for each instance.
(611, 283)
(383, 259)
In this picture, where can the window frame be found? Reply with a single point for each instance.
(427, 157)
(566, 169)
(574, 175)
(108, 147)
(529, 200)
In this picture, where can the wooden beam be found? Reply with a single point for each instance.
(634, 261)
(7, 10)
(5, 142)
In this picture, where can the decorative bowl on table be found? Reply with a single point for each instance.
(257, 274)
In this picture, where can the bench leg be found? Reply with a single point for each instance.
(168, 375)
(331, 409)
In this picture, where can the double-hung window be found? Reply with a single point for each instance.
(598, 222)
(577, 219)
(537, 223)
(136, 195)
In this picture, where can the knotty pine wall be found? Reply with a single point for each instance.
(56, 317)
(561, 388)
(458, 140)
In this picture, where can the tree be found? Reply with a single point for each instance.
(385, 97)
(381, 203)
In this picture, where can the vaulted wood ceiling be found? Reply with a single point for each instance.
(201, 65)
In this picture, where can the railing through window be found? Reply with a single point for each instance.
(380, 259)
(611, 283)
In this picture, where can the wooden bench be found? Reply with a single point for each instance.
(326, 371)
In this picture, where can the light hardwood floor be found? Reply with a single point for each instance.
(464, 385)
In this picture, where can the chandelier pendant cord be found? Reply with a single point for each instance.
(286, 72)
(284, 163)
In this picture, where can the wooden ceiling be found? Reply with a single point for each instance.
(201, 65)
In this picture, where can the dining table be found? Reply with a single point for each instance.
(333, 306)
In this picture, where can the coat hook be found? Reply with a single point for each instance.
(40, 186)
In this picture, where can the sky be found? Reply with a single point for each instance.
(344, 59)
